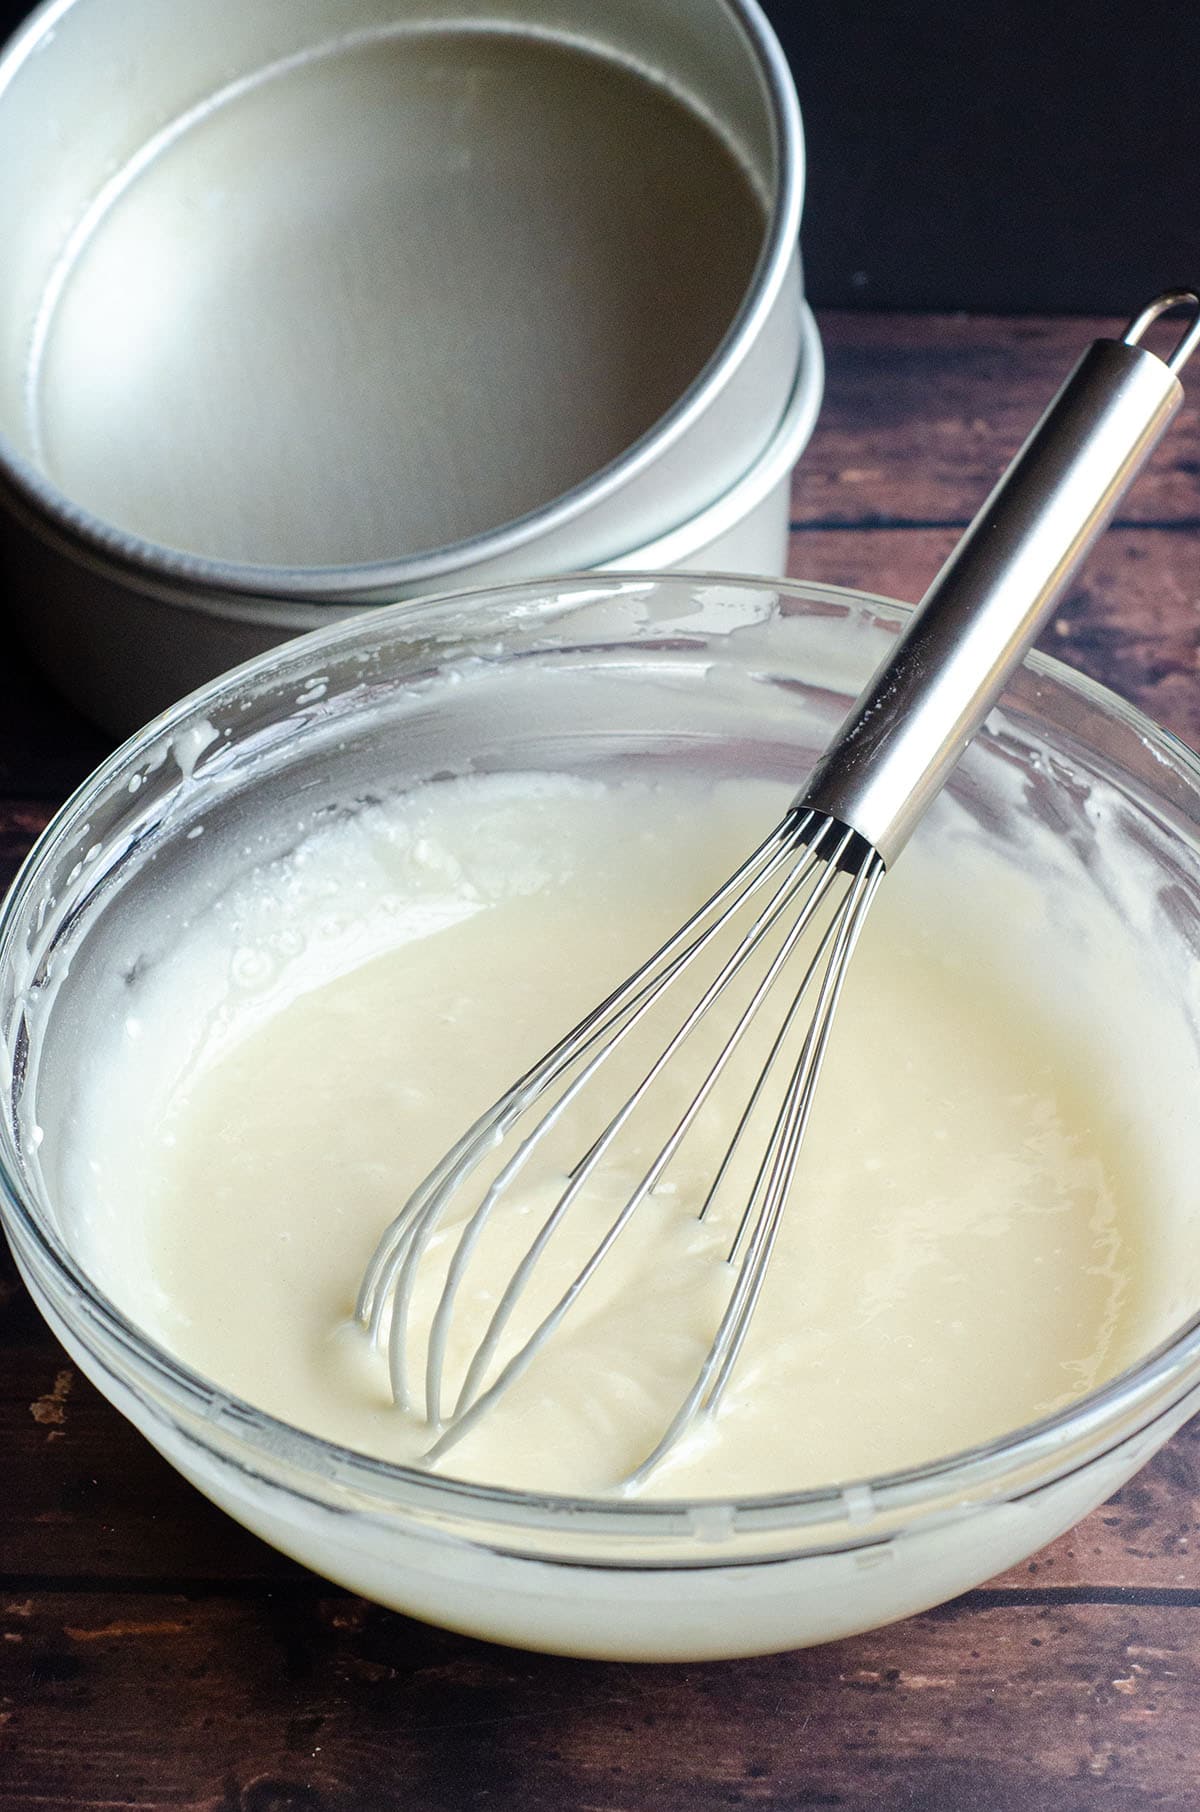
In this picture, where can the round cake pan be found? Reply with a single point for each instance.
(349, 300)
(123, 652)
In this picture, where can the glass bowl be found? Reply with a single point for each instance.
(613, 671)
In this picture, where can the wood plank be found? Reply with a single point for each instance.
(1132, 621)
(318, 1701)
(923, 412)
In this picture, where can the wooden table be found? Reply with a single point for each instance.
(154, 1655)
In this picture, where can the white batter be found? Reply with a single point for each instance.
(960, 1256)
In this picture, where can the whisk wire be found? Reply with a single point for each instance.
(760, 1087)
(791, 1125)
(390, 1276)
(627, 1009)
(820, 851)
(776, 1172)
(379, 1279)
(468, 1396)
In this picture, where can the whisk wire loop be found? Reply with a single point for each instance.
(472, 1402)
(388, 1283)
(587, 1165)
(581, 1175)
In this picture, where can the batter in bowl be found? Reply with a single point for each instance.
(960, 1256)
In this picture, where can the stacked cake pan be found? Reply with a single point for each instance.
(320, 304)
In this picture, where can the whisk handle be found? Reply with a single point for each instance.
(912, 722)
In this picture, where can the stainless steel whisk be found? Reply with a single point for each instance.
(796, 905)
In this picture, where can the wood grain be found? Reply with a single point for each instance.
(153, 1655)
(1131, 622)
(307, 1699)
(923, 412)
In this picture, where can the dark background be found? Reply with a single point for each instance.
(989, 154)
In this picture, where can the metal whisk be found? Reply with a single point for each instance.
(774, 942)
